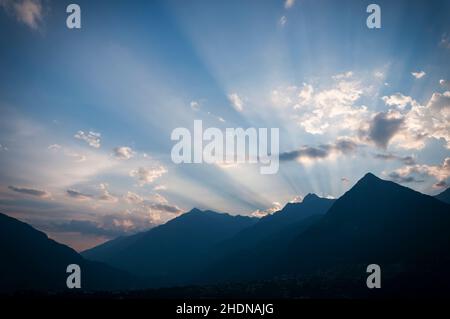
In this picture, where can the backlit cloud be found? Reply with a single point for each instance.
(28, 12)
(123, 152)
(148, 175)
(92, 138)
(236, 102)
(418, 75)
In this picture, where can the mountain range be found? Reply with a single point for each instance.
(376, 222)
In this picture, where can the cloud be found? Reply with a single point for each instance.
(165, 208)
(133, 198)
(379, 75)
(195, 105)
(276, 206)
(3, 148)
(54, 147)
(78, 157)
(444, 83)
(110, 226)
(383, 127)
(30, 191)
(418, 75)
(342, 146)
(283, 20)
(92, 138)
(236, 102)
(441, 184)
(148, 175)
(289, 4)
(399, 100)
(429, 121)
(445, 41)
(409, 173)
(105, 195)
(330, 110)
(123, 152)
(398, 178)
(28, 12)
(342, 76)
(78, 195)
(407, 160)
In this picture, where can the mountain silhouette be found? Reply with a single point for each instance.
(326, 243)
(32, 261)
(171, 253)
(379, 222)
(250, 253)
(444, 196)
(269, 225)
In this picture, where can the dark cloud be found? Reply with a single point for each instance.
(382, 129)
(110, 226)
(30, 191)
(441, 184)
(166, 208)
(85, 227)
(407, 160)
(322, 151)
(396, 177)
(77, 195)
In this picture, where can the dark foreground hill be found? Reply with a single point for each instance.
(32, 261)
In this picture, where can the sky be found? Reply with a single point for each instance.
(87, 114)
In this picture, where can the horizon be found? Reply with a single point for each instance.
(256, 216)
(87, 114)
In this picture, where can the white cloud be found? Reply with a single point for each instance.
(160, 188)
(276, 206)
(148, 175)
(195, 105)
(399, 100)
(418, 75)
(444, 83)
(342, 76)
(92, 138)
(106, 195)
(123, 152)
(429, 121)
(283, 20)
(410, 173)
(133, 198)
(28, 12)
(236, 102)
(289, 4)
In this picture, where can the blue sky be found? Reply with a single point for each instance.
(87, 114)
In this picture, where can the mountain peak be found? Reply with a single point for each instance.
(310, 197)
(370, 176)
(194, 211)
